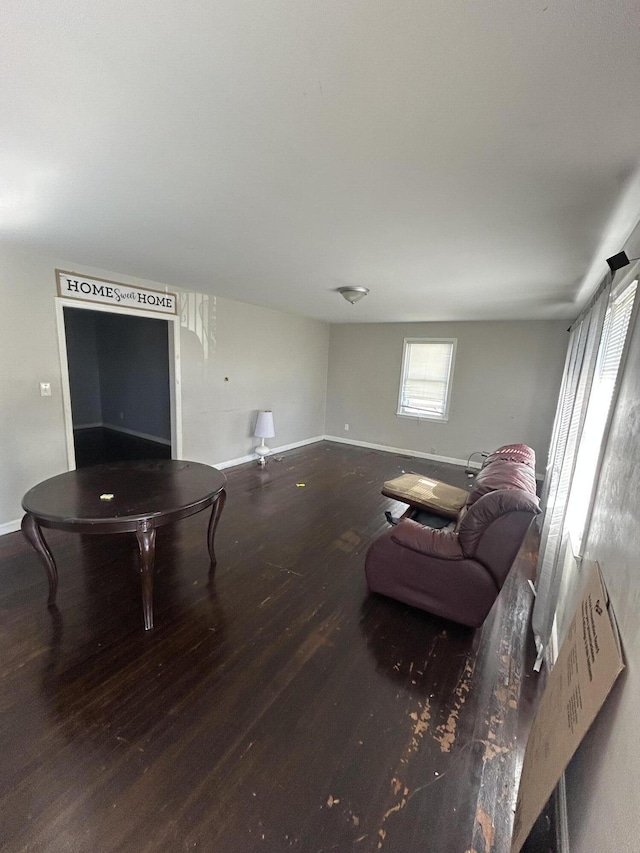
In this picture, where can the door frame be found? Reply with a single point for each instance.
(175, 384)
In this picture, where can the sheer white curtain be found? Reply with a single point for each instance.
(584, 341)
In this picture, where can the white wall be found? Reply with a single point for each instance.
(257, 359)
(272, 360)
(505, 386)
(602, 779)
(32, 441)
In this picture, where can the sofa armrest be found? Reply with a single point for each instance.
(425, 540)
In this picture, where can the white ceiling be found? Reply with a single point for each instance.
(462, 159)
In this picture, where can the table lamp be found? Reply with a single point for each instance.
(264, 429)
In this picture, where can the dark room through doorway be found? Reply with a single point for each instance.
(119, 381)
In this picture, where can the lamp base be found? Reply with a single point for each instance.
(263, 451)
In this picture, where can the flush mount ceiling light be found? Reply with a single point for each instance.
(353, 294)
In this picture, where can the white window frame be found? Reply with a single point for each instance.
(432, 416)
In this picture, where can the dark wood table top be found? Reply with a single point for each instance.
(162, 490)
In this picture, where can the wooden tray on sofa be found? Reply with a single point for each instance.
(423, 492)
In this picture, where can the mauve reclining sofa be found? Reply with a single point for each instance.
(457, 573)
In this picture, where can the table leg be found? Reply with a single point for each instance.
(146, 536)
(33, 535)
(216, 512)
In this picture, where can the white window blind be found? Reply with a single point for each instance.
(614, 335)
(425, 385)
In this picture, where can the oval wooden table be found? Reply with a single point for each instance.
(123, 497)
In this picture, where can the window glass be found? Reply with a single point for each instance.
(427, 368)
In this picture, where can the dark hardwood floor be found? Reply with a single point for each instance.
(274, 707)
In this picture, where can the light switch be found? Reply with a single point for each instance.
(45, 389)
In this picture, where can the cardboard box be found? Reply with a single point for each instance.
(588, 664)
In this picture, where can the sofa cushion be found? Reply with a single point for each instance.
(487, 509)
(513, 453)
(425, 540)
(502, 474)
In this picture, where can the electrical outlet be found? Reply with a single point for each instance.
(45, 389)
(346, 427)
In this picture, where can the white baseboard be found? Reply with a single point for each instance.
(252, 457)
(137, 434)
(403, 451)
(241, 460)
(10, 527)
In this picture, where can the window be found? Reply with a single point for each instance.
(596, 349)
(614, 334)
(425, 386)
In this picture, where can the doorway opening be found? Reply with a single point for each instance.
(121, 395)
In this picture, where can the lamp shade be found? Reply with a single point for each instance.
(264, 425)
